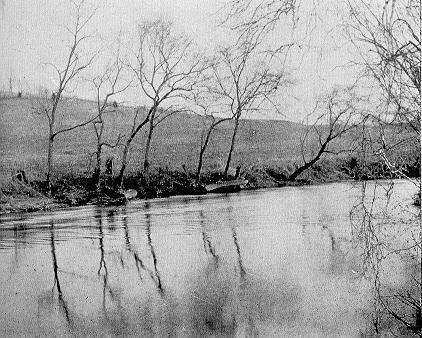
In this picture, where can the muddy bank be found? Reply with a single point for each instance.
(69, 190)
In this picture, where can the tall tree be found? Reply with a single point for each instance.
(137, 124)
(75, 63)
(108, 84)
(167, 69)
(208, 107)
(245, 80)
(387, 36)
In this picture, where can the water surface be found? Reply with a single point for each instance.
(283, 262)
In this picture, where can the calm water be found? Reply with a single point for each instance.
(283, 262)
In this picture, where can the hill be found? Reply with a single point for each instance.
(262, 143)
(23, 139)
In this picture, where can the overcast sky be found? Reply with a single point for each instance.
(32, 33)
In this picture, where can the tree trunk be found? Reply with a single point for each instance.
(50, 161)
(148, 144)
(129, 141)
(97, 170)
(124, 162)
(236, 125)
(199, 169)
(309, 164)
(201, 154)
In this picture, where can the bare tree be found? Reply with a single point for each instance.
(259, 17)
(387, 37)
(107, 85)
(167, 70)
(339, 115)
(388, 40)
(378, 242)
(207, 106)
(137, 125)
(245, 81)
(48, 107)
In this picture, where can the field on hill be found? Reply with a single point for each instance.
(175, 144)
(23, 140)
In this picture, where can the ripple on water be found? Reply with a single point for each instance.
(275, 262)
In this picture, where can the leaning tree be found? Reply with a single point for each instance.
(331, 119)
(245, 80)
(167, 69)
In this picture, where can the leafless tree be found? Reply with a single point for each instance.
(208, 107)
(258, 17)
(287, 23)
(107, 85)
(245, 81)
(137, 124)
(379, 242)
(75, 63)
(387, 36)
(339, 115)
(167, 70)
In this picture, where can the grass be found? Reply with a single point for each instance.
(266, 150)
(175, 144)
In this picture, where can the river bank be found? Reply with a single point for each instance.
(17, 196)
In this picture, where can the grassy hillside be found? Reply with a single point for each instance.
(23, 139)
(268, 152)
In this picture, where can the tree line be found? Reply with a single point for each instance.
(167, 69)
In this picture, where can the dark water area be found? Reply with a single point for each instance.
(295, 261)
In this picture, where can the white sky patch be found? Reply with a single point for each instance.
(32, 33)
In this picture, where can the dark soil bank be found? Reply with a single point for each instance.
(69, 190)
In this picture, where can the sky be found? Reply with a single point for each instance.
(32, 33)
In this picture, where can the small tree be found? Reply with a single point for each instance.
(48, 106)
(245, 81)
(338, 117)
(207, 107)
(167, 70)
(107, 85)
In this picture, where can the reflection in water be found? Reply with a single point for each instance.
(239, 256)
(62, 302)
(385, 233)
(108, 293)
(272, 263)
(208, 247)
(157, 278)
(46, 299)
(138, 261)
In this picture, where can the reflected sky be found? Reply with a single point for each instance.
(280, 262)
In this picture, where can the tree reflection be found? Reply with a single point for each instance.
(208, 247)
(103, 273)
(138, 261)
(239, 256)
(62, 303)
(385, 229)
(152, 250)
(224, 301)
(154, 275)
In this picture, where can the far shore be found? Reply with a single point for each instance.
(71, 191)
